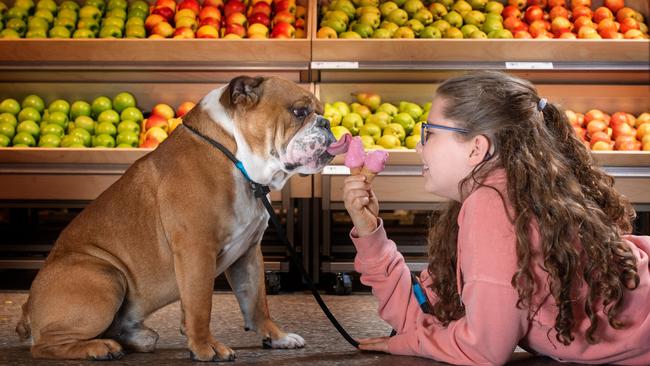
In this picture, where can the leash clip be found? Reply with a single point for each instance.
(260, 190)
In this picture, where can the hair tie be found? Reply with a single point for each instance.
(541, 104)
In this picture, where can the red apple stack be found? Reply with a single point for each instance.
(156, 128)
(620, 131)
(284, 20)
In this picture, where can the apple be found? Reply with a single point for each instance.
(326, 32)
(216, 4)
(602, 146)
(184, 13)
(210, 22)
(116, 13)
(86, 123)
(110, 31)
(131, 114)
(634, 34)
(59, 32)
(29, 127)
(287, 17)
(260, 7)
(561, 25)
(38, 23)
(163, 29)
(184, 32)
(520, 4)
(157, 133)
(300, 24)
(582, 11)
(283, 30)
(234, 6)
(171, 4)
(237, 18)
(438, 11)
(90, 12)
(628, 24)
(116, 22)
(30, 101)
(187, 22)
(259, 30)
(137, 13)
(192, 5)
(52, 129)
(559, 11)
(8, 118)
(119, 4)
(553, 3)
(580, 132)
(183, 108)
(11, 106)
(607, 26)
(624, 13)
(235, 29)
(152, 21)
(45, 14)
(135, 31)
(614, 5)
(522, 34)
(514, 24)
(253, 2)
(163, 110)
(210, 12)
(643, 130)
(49, 5)
(301, 11)
(103, 140)
(24, 138)
(207, 31)
(287, 5)
(576, 3)
(583, 22)
(533, 13)
(538, 27)
(88, 23)
(511, 11)
(602, 13)
(165, 12)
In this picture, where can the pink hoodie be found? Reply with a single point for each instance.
(493, 325)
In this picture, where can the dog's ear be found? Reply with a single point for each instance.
(244, 92)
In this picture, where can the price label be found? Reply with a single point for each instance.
(336, 170)
(529, 65)
(327, 65)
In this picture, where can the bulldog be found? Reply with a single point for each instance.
(179, 217)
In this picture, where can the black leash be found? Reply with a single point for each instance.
(260, 192)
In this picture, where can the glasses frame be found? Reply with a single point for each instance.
(424, 135)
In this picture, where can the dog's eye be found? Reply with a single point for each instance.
(301, 112)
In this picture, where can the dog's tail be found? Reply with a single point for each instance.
(22, 328)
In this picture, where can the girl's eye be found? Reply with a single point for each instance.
(300, 112)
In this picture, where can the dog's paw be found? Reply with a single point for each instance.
(289, 341)
(211, 351)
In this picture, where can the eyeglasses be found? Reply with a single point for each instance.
(424, 132)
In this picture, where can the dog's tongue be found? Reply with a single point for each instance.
(340, 146)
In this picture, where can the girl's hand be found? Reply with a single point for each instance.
(361, 203)
(379, 344)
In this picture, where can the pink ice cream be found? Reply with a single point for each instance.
(340, 146)
(376, 161)
(355, 156)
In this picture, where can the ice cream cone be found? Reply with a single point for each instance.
(369, 174)
(356, 170)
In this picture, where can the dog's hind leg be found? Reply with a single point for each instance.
(128, 329)
(73, 300)
(246, 277)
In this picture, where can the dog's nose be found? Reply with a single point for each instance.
(322, 122)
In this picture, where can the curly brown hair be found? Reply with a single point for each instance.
(580, 215)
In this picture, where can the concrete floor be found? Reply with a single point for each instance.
(296, 313)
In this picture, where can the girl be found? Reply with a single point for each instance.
(533, 249)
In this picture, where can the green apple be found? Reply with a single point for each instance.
(16, 13)
(24, 4)
(49, 141)
(68, 23)
(36, 33)
(131, 114)
(58, 118)
(83, 134)
(500, 33)
(52, 129)
(103, 141)
(363, 30)
(468, 29)
(406, 121)
(90, 12)
(430, 32)
(48, 5)
(99, 4)
(105, 128)
(4, 141)
(343, 108)
(8, 118)
(59, 105)
(352, 122)
(412, 141)
(339, 131)
(128, 126)
(88, 23)
(71, 141)
(68, 13)
(100, 104)
(454, 19)
(59, 32)
(478, 35)
(412, 6)
(404, 32)
(398, 16)
(24, 138)
(379, 118)
(113, 21)
(345, 6)
(134, 21)
(110, 31)
(139, 4)
(332, 114)
(388, 108)
(424, 16)
(494, 17)
(389, 141)
(68, 4)
(80, 108)
(462, 7)
(370, 19)
(387, 7)
(17, 25)
(45, 14)
(137, 14)
(370, 129)
(7, 129)
(83, 33)
(438, 11)
(135, 31)
(29, 114)
(128, 138)
(453, 33)
(337, 15)
(122, 101)
(382, 33)
(416, 26)
(116, 13)
(109, 116)
(368, 3)
(86, 123)
(478, 4)
(395, 129)
(338, 25)
(474, 17)
(494, 7)
(10, 106)
(30, 127)
(390, 26)
(38, 23)
(491, 25)
(443, 25)
(368, 142)
(9, 34)
(120, 4)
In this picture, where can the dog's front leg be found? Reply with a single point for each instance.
(246, 277)
(195, 277)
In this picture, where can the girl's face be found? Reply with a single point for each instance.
(446, 156)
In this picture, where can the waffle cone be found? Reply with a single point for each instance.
(370, 175)
(356, 171)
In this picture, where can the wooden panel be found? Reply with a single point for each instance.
(54, 187)
(390, 189)
(61, 156)
(637, 190)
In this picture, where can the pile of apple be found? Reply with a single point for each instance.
(412, 19)
(162, 122)
(232, 19)
(620, 131)
(380, 125)
(545, 19)
(102, 123)
(96, 18)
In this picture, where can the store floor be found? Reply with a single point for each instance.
(295, 312)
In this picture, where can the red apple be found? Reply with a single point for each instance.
(163, 110)
(595, 114)
(576, 3)
(214, 3)
(521, 4)
(634, 34)
(598, 136)
(538, 27)
(260, 18)
(183, 32)
(300, 24)
(284, 17)
(150, 143)
(301, 11)
(165, 12)
(627, 24)
(253, 2)
(624, 13)
(237, 18)
(210, 12)
(163, 29)
(512, 23)
(533, 13)
(554, 3)
(283, 30)
(236, 29)
(561, 25)
(583, 22)
(582, 11)
(257, 30)
(614, 5)
(611, 34)
(511, 11)
(559, 11)
(580, 132)
(540, 3)
(595, 126)
(156, 121)
(207, 31)
(620, 118)
(568, 35)
(234, 6)
(602, 146)
(522, 34)
(153, 20)
(607, 26)
(602, 13)
(171, 4)
(184, 108)
(572, 117)
(211, 22)
(285, 5)
(260, 7)
(189, 4)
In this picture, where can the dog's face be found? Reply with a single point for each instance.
(279, 128)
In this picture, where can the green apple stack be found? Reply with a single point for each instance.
(137, 13)
(14, 20)
(412, 19)
(380, 125)
(113, 23)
